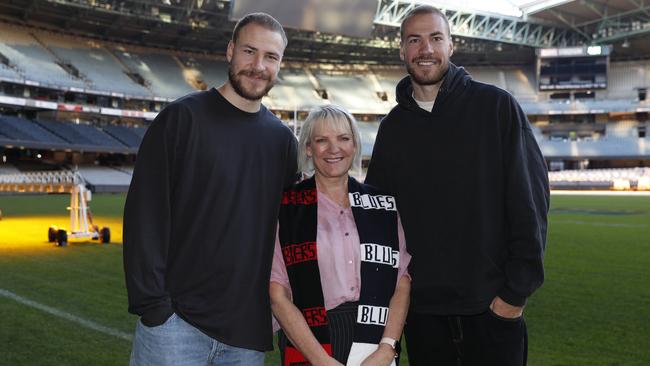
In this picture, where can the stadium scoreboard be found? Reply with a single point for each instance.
(573, 68)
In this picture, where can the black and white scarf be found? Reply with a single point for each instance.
(375, 216)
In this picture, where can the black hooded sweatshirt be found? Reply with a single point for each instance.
(472, 191)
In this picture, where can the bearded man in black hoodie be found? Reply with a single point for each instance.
(472, 189)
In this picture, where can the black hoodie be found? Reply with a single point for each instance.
(472, 191)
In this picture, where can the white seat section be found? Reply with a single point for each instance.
(605, 147)
(212, 71)
(166, 77)
(489, 75)
(521, 83)
(352, 90)
(388, 79)
(599, 175)
(625, 77)
(368, 134)
(33, 61)
(170, 74)
(95, 62)
(104, 176)
(9, 73)
(6, 168)
(293, 90)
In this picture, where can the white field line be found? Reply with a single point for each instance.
(67, 316)
(600, 193)
(597, 223)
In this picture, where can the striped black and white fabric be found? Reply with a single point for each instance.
(375, 215)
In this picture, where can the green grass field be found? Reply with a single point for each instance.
(594, 308)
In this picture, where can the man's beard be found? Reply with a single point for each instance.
(236, 82)
(430, 79)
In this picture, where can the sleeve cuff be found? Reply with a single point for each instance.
(511, 298)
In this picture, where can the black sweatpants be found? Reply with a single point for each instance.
(466, 340)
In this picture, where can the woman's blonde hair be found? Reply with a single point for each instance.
(341, 120)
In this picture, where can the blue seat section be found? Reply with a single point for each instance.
(65, 131)
(140, 131)
(23, 129)
(81, 134)
(125, 135)
(44, 134)
(97, 136)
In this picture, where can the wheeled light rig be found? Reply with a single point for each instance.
(81, 220)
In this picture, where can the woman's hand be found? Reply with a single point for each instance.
(332, 362)
(383, 356)
(295, 327)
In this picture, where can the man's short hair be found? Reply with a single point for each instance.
(261, 19)
(419, 10)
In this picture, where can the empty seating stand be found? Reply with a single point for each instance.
(140, 131)
(43, 134)
(97, 64)
(388, 79)
(85, 137)
(368, 134)
(610, 147)
(353, 91)
(32, 60)
(211, 71)
(28, 133)
(293, 91)
(164, 75)
(125, 135)
(9, 73)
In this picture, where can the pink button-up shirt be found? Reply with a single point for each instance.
(338, 254)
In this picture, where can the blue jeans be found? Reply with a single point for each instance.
(177, 343)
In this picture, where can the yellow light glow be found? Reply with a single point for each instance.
(29, 232)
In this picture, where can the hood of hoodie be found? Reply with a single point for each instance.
(455, 81)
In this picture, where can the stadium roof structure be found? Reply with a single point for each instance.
(506, 32)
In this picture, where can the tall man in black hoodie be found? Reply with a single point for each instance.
(472, 190)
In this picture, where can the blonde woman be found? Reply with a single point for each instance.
(339, 286)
